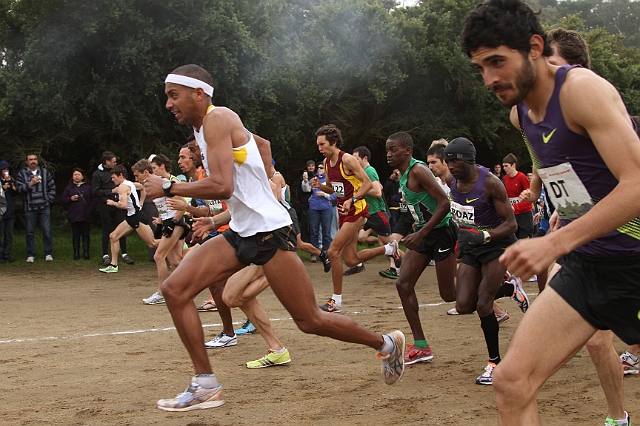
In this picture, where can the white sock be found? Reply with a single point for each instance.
(337, 298)
(123, 255)
(208, 381)
(279, 351)
(388, 250)
(387, 346)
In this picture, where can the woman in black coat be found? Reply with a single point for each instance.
(78, 198)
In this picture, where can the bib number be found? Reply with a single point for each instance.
(514, 201)
(463, 216)
(338, 187)
(566, 190)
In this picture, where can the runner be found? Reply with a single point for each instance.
(346, 177)
(577, 127)
(435, 238)
(260, 233)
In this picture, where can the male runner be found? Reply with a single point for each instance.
(349, 181)
(481, 209)
(134, 220)
(435, 238)
(260, 233)
(577, 127)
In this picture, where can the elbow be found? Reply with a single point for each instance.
(226, 193)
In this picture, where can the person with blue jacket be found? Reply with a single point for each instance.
(321, 214)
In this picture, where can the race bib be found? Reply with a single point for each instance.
(514, 200)
(463, 216)
(215, 207)
(566, 190)
(338, 187)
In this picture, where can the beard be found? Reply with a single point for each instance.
(525, 78)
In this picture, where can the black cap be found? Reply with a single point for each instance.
(460, 149)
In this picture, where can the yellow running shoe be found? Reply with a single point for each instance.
(270, 359)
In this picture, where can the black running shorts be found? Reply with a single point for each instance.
(168, 228)
(261, 247)
(379, 223)
(604, 290)
(440, 242)
(525, 225)
(404, 226)
(294, 219)
(136, 219)
(477, 256)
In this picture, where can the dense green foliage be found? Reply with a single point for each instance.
(80, 77)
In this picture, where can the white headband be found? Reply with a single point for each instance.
(194, 83)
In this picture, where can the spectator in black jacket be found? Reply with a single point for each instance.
(393, 196)
(8, 218)
(110, 217)
(79, 199)
(38, 191)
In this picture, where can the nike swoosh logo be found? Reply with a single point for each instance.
(443, 251)
(546, 138)
(472, 200)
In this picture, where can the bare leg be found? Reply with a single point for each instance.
(164, 247)
(121, 230)
(607, 363)
(224, 310)
(344, 240)
(258, 316)
(446, 274)
(550, 322)
(414, 264)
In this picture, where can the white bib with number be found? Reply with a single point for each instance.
(463, 216)
(338, 187)
(566, 190)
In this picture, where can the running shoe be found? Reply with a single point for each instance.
(389, 273)
(155, 299)
(30, 259)
(453, 311)
(222, 341)
(502, 317)
(392, 365)
(630, 363)
(331, 306)
(109, 269)
(610, 422)
(247, 328)
(533, 279)
(415, 354)
(486, 378)
(195, 397)
(48, 258)
(106, 260)
(519, 295)
(271, 359)
(396, 254)
(325, 261)
(128, 260)
(208, 306)
(313, 258)
(353, 270)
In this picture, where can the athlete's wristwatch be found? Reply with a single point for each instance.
(487, 237)
(353, 200)
(166, 187)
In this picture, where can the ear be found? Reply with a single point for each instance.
(537, 46)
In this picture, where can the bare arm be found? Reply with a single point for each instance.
(495, 190)
(123, 195)
(352, 165)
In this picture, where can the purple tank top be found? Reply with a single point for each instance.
(552, 143)
(485, 216)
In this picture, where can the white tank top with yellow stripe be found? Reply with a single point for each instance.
(252, 206)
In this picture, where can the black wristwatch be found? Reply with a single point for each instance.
(354, 200)
(166, 187)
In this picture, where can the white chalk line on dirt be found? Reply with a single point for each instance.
(152, 330)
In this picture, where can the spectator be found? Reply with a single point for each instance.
(303, 193)
(110, 216)
(393, 196)
(38, 191)
(320, 214)
(515, 182)
(497, 171)
(8, 218)
(79, 200)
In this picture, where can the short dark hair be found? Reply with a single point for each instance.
(363, 151)
(510, 159)
(162, 159)
(403, 138)
(77, 169)
(496, 23)
(571, 46)
(106, 156)
(119, 170)
(194, 71)
(437, 150)
(332, 133)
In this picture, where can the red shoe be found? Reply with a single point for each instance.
(415, 354)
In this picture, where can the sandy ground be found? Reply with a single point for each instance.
(78, 347)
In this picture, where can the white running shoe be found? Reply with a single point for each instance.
(222, 341)
(630, 363)
(48, 258)
(193, 398)
(155, 299)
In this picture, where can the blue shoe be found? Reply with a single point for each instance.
(247, 328)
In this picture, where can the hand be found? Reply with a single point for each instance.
(177, 203)
(554, 222)
(343, 209)
(536, 219)
(110, 202)
(74, 198)
(525, 195)
(157, 221)
(528, 257)
(168, 227)
(320, 193)
(470, 237)
(153, 186)
(412, 241)
(203, 226)
(315, 182)
(305, 176)
(115, 190)
(34, 180)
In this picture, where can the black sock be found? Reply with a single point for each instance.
(505, 290)
(490, 328)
